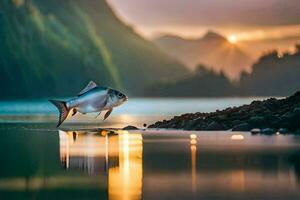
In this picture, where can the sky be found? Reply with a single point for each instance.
(240, 20)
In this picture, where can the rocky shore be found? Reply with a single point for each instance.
(268, 117)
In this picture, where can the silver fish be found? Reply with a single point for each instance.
(92, 98)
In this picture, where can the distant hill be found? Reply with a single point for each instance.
(54, 48)
(212, 50)
(203, 83)
(273, 75)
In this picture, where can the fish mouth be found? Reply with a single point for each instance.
(126, 99)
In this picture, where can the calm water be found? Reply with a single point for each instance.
(38, 161)
(136, 111)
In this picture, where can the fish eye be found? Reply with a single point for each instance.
(120, 95)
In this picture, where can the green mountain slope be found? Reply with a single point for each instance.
(53, 48)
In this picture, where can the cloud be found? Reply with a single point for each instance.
(151, 13)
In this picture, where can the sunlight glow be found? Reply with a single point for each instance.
(232, 39)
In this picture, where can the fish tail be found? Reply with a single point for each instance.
(63, 110)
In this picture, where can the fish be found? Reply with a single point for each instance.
(93, 98)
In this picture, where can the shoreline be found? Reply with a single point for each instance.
(268, 117)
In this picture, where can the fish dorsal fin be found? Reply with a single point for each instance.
(87, 88)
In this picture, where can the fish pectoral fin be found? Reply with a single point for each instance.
(107, 113)
(87, 88)
(74, 112)
(98, 114)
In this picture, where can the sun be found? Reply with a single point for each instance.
(232, 39)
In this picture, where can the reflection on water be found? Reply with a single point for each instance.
(220, 165)
(227, 163)
(125, 180)
(120, 156)
(84, 151)
(194, 160)
(148, 165)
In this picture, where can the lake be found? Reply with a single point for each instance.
(136, 111)
(39, 161)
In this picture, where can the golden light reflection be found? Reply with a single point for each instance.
(237, 137)
(238, 180)
(193, 141)
(84, 144)
(86, 151)
(194, 161)
(193, 136)
(120, 155)
(125, 180)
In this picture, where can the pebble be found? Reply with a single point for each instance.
(268, 131)
(260, 116)
(130, 128)
(242, 127)
(255, 131)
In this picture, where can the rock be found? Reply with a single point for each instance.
(215, 126)
(268, 131)
(297, 132)
(242, 127)
(283, 130)
(130, 128)
(192, 124)
(222, 117)
(256, 121)
(236, 122)
(285, 119)
(256, 103)
(145, 125)
(272, 113)
(296, 111)
(287, 115)
(255, 131)
(272, 120)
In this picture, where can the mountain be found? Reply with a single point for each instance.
(273, 75)
(54, 48)
(211, 50)
(203, 83)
